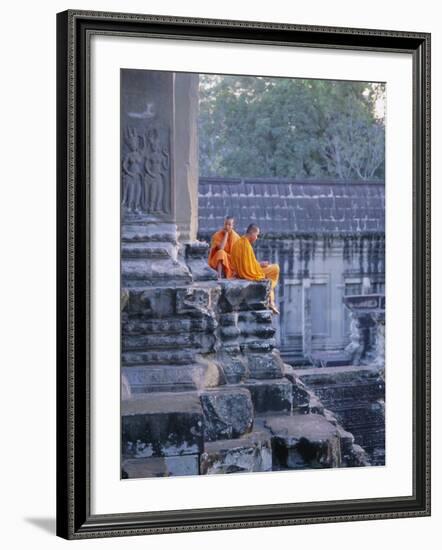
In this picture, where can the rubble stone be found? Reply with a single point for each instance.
(162, 424)
(228, 412)
(250, 453)
(304, 441)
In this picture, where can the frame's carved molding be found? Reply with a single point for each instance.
(74, 31)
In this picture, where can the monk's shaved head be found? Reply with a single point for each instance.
(252, 228)
(229, 222)
(252, 232)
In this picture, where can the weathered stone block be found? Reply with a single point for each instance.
(270, 395)
(228, 319)
(330, 358)
(332, 376)
(253, 327)
(198, 341)
(170, 325)
(233, 365)
(172, 378)
(156, 303)
(228, 412)
(162, 424)
(304, 441)
(301, 394)
(238, 294)
(229, 333)
(260, 346)
(265, 365)
(196, 253)
(353, 393)
(250, 453)
(159, 357)
(149, 232)
(148, 251)
(358, 457)
(197, 301)
(262, 317)
(165, 466)
(139, 272)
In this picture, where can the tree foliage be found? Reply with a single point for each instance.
(286, 127)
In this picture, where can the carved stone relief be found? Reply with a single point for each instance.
(146, 171)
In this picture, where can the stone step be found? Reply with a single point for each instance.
(159, 357)
(200, 342)
(166, 466)
(172, 378)
(149, 232)
(271, 395)
(136, 272)
(162, 424)
(238, 367)
(243, 295)
(228, 412)
(176, 300)
(168, 325)
(149, 250)
(316, 376)
(303, 441)
(355, 394)
(327, 359)
(304, 400)
(249, 453)
(196, 254)
(252, 331)
(265, 365)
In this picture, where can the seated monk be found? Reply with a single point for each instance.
(221, 247)
(246, 265)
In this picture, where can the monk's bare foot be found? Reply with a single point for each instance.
(274, 309)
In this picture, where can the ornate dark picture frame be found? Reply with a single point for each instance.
(74, 31)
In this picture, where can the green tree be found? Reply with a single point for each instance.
(283, 127)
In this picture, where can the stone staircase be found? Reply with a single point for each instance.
(205, 389)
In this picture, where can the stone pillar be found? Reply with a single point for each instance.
(368, 328)
(356, 346)
(186, 97)
(379, 351)
(306, 317)
(151, 158)
(147, 146)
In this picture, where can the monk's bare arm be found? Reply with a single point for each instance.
(223, 242)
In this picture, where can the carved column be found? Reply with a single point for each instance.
(186, 97)
(149, 164)
(147, 132)
(379, 351)
(368, 318)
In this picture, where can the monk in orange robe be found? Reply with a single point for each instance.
(220, 248)
(246, 265)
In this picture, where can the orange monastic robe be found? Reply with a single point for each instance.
(246, 265)
(216, 255)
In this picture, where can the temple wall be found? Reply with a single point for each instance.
(316, 273)
(356, 395)
(322, 271)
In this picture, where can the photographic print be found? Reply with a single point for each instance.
(252, 273)
(223, 261)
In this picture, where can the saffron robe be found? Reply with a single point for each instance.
(246, 265)
(216, 255)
